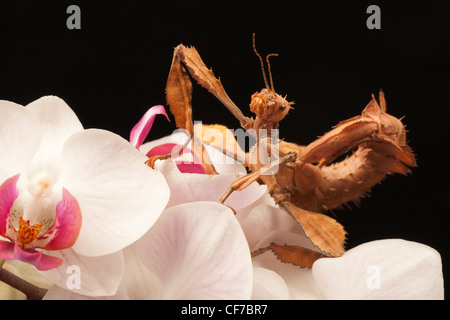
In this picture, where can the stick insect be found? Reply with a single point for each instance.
(307, 182)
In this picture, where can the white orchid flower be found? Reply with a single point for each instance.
(194, 251)
(70, 196)
(391, 269)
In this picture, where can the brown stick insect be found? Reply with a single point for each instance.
(307, 183)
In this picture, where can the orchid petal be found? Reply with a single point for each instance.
(119, 196)
(268, 285)
(138, 281)
(383, 269)
(58, 122)
(264, 219)
(98, 276)
(20, 137)
(142, 128)
(180, 191)
(198, 251)
(300, 282)
(56, 117)
(212, 187)
(194, 187)
(265, 199)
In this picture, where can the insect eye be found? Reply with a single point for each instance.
(282, 107)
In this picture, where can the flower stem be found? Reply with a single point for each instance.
(30, 290)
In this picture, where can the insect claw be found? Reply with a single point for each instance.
(234, 211)
(151, 161)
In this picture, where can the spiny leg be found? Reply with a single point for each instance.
(186, 62)
(381, 145)
(179, 97)
(193, 65)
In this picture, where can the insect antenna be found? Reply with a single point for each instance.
(262, 63)
(270, 72)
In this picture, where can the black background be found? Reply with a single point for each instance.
(113, 69)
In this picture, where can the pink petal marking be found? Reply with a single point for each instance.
(191, 168)
(142, 128)
(67, 225)
(47, 262)
(165, 148)
(37, 258)
(183, 166)
(41, 261)
(6, 250)
(8, 194)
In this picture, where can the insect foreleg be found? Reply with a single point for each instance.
(248, 179)
(205, 77)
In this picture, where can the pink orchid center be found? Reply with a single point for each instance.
(31, 218)
(37, 207)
